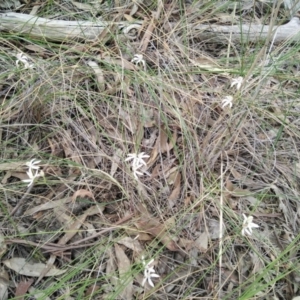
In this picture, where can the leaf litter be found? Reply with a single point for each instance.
(84, 107)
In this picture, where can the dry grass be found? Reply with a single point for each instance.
(89, 214)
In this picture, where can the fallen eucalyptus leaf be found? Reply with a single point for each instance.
(22, 267)
(3, 246)
(4, 284)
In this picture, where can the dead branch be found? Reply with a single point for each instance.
(59, 30)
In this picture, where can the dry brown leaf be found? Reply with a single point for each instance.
(57, 171)
(253, 201)
(152, 157)
(229, 185)
(170, 223)
(164, 170)
(90, 229)
(187, 200)
(176, 190)
(125, 279)
(38, 294)
(120, 62)
(162, 141)
(139, 132)
(246, 179)
(115, 161)
(4, 284)
(171, 173)
(76, 225)
(19, 175)
(148, 143)
(288, 214)
(129, 18)
(93, 132)
(141, 236)
(72, 229)
(5, 178)
(55, 149)
(134, 9)
(82, 194)
(131, 243)
(232, 192)
(105, 35)
(3, 246)
(214, 229)
(22, 288)
(83, 6)
(91, 290)
(22, 267)
(62, 215)
(111, 267)
(158, 230)
(186, 244)
(236, 174)
(95, 209)
(148, 33)
(162, 145)
(237, 192)
(99, 74)
(202, 242)
(129, 120)
(257, 262)
(155, 171)
(173, 139)
(15, 166)
(36, 48)
(68, 149)
(48, 205)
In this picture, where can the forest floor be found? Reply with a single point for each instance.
(213, 133)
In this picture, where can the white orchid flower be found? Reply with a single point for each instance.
(149, 273)
(227, 101)
(24, 59)
(248, 225)
(137, 159)
(137, 162)
(138, 59)
(32, 177)
(237, 81)
(33, 164)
